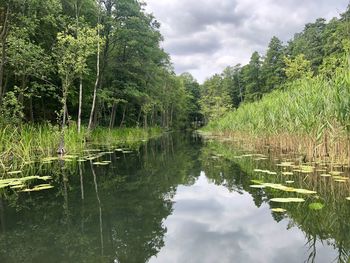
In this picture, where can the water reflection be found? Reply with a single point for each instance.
(168, 201)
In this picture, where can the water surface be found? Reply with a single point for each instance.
(174, 199)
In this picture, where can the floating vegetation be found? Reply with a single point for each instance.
(335, 173)
(285, 164)
(304, 191)
(287, 173)
(278, 210)
(39, 187)
(100, 163)
(316, 206)
(289, 182)
(287, 200)
(18, 183)
(14, 172)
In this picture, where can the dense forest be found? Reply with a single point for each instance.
(96, 62)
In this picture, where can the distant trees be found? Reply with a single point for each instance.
(320, 48)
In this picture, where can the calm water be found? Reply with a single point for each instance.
(175, 199)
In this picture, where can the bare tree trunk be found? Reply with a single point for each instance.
(145, 121)
(61, 146)
(80, 102)
(114, 111)
(123, 118)
(97, 74)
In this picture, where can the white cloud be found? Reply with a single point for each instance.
(205, 36)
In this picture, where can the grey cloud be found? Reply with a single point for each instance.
(202, 35)
(193, 45)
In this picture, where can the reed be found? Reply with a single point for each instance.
(310, 116)
(26, 143)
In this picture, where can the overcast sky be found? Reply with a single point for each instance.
(205, 36)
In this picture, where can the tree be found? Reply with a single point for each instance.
(215, 101)
(252, 78)
(298, 67)
(273, 65)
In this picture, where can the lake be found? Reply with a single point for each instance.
(178, 198)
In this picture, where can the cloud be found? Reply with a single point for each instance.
(205, 36)
(211, 224)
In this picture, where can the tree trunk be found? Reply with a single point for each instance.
(61, 146)
(123, 118)
(80, 102)
(112, 120)
(97, 74)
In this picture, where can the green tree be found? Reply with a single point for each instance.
(273, 65)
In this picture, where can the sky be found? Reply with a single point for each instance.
(205, 36)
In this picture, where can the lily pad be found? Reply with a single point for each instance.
(278, 210)
(287, 173)
(100, 163)
(304, 191)
(287, 200)
(335, 173)
(316, 206)
(14, 172)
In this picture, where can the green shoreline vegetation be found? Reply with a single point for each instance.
(85, 72)
(295, 99)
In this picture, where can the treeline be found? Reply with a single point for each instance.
(318, 50)
(99, 63)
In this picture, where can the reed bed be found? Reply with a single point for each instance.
(25, 143)
(310, 116)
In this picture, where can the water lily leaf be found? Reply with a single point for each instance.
(285, 164)
(100, 163)
(14, 172)
(278, 210)
(18, 186)
(316, 206)
(335, 173)
(340, 181)
(287, 200)
(304, 191)
(257, 186)
(38, 188)
(257, 181)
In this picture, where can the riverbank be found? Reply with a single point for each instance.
(27, 143)
(310, 116)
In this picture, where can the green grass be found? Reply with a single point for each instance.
(25, 143)
(313, 114)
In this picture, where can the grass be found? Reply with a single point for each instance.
(26, 143)
(310, 116)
